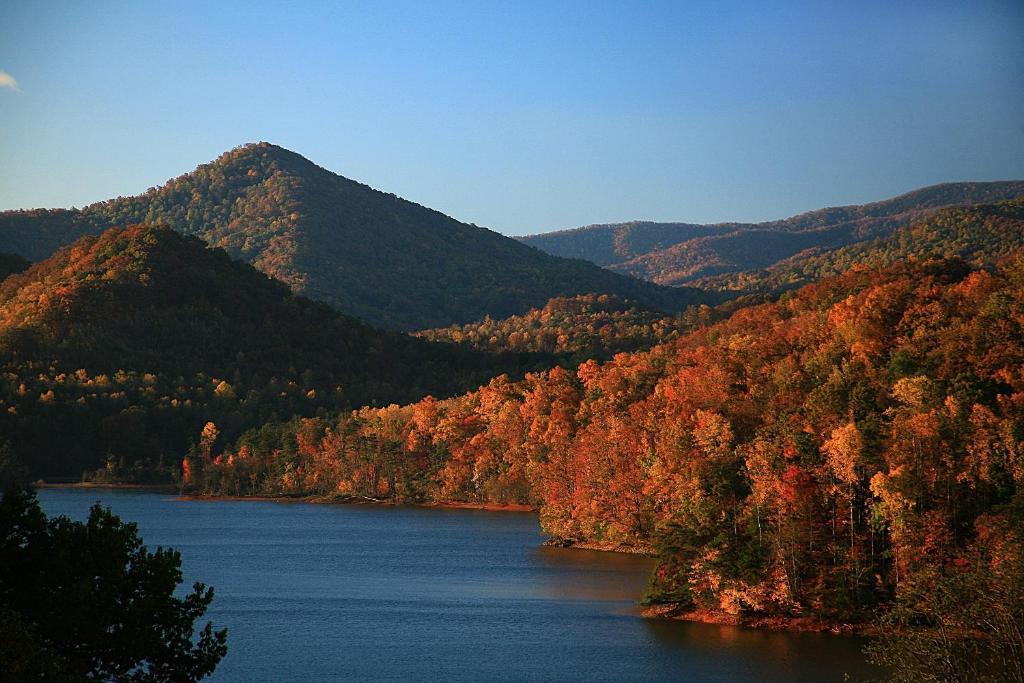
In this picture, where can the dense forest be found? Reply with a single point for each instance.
(574, 328)
(979, 235)
(682, 253)
(370, 254)
(853, 445)
(122, 346)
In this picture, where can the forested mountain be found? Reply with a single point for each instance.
(126, 344)
(682, 253)
(854, 445)
(367, 253)
(979, 235)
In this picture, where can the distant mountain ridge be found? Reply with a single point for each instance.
(683, 253)
(368, 253)
(979, 235)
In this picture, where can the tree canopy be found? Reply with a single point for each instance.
(120, 347)
(817, 458)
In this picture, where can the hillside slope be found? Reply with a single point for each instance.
(367, 253)
(126, 344)
(807, 461)
(681, 253)
(580, 328)
(979, 235)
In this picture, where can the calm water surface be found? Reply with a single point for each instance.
(325, 592)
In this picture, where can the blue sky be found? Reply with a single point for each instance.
(521, 116)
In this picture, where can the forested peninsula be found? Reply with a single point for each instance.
(814, 458)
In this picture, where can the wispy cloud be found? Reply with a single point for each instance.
(7, 81)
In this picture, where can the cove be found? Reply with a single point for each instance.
(349, 592)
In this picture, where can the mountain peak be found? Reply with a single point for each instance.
(370, 254)
(255, 162)
(251, 151)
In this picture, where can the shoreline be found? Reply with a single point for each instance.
(673, 612)
(313, 499)
(669, 611)
(623, 548)
(161, 488)
(353, 500)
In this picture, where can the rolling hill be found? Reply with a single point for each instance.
(979, 235)
(124, 345)
(585, 327)
(367, 253)
(683, 253)
(579, 328)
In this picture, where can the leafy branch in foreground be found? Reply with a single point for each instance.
(89, 600)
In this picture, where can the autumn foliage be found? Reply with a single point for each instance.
(116, 350)
(814, 456)
(764, 256)
(980, 235)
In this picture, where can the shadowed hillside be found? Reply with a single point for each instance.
(124, 345)
(12, 263)
(580, 328)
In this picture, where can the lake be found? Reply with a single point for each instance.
(329, 592)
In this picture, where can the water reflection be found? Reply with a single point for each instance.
(620, 579)
(802, 656)
(315, 592)
(576, 574)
